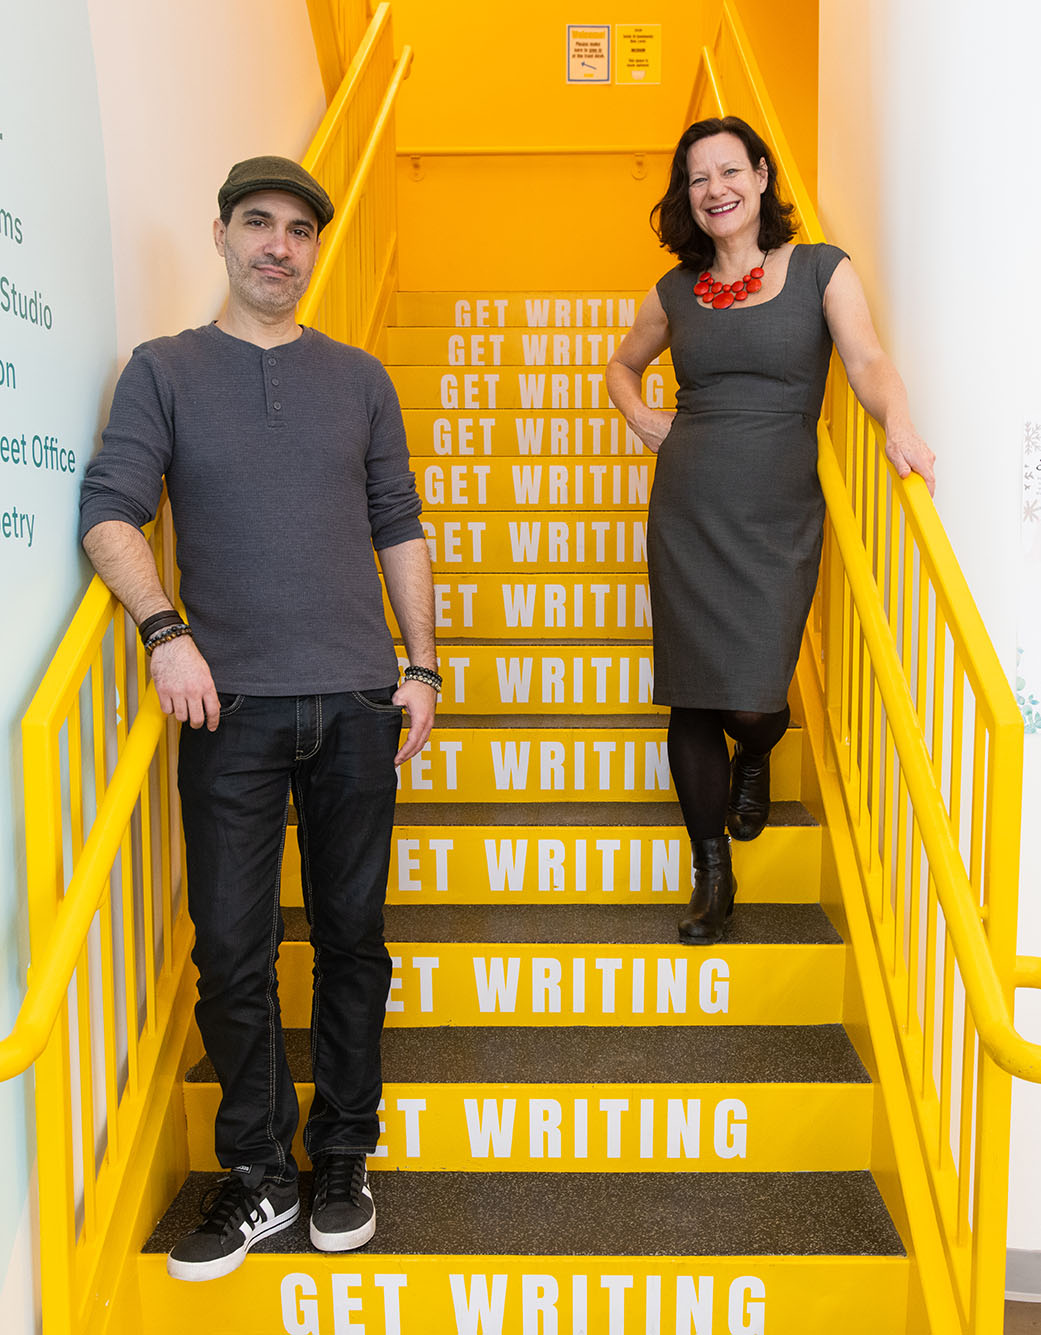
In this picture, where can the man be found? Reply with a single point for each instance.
(285, 460)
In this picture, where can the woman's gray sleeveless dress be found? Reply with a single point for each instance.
(734, 528)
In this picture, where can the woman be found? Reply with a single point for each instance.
(736, 510)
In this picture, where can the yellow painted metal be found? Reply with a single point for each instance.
(596, 1128)
(560, 764)
(547, 434)
(338, 27)
(543, 678)
(541, 542)
(813, 1295)
(532, 485)
(891, 698)
(540, 346)
(537, 387)
(117, 906)
(437, 983)
(507, 310)
(566, 607)
(496, 863)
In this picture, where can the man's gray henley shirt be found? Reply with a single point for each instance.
(286, 467)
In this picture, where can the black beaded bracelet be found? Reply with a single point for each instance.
(424, 674)
(165, 634)
(159, 621)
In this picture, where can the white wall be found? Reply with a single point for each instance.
(928, 177)
(186, 88)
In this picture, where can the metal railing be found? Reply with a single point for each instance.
(918, 743)
(107, 1002)
(338, 27)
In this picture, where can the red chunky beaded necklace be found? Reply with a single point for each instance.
(721, 295)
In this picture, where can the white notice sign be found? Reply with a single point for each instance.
(589, 53)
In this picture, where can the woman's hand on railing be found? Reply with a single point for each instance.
(908, 453)
(184, 684)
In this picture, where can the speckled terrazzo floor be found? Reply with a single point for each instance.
(588, 924)
(599, 1214)
(736, 1054)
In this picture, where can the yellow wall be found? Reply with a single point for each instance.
(490, 77)
(491, 74)
(784, 41)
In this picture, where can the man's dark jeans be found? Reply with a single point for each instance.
(336, 754)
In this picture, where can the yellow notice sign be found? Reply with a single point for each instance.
(638, 48)
(589, 53)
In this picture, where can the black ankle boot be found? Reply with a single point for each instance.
(712, 902)
(749, 794)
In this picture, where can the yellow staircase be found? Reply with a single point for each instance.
(588, 1126)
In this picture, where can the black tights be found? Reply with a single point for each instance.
(700, 763)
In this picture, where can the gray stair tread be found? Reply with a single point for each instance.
(558, 722)
(597, 1214)
(541, 814)
(588, 924)
(623, 1054)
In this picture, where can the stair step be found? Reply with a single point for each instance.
(806, 1252)
(542, 541)
(551, 434)
(530, 309)
(563, 757)
(789, 1054)
(777, 965)
(521, 485)
(445, 345)
(538, 677)
(761, 1099)
(577, 852)
(488, 388)
(597, 1215)
(616, 607)
(586, 924)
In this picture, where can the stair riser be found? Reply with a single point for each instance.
(492, 311)
(515, 387)
(563, 607)
(552, 435)
(597, 1128)
(316, 1294)
(543, 542)
(483, 348)
(527, 485)
(444, 983)
(546, 679)
(569, 765)
(458, 864)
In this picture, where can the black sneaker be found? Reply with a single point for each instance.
(237, 1212)
(343, 1215)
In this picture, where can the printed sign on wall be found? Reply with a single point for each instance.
(637, 53)
(589, 53)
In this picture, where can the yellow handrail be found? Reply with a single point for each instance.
(986, 998)
(107, 999)
(917, 745)
(49, 981)
(337, 231)
(539, 150)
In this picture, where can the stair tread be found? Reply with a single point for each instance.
(597, 1214)
(587, 924)
(540, 814)
(559, 722)
(643, 1054)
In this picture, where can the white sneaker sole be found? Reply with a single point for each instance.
(196, 1271)
(343, 1242)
